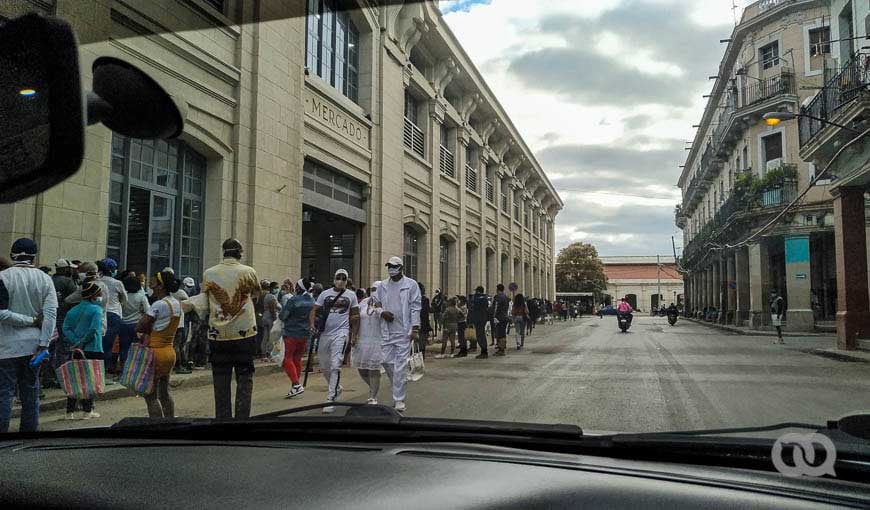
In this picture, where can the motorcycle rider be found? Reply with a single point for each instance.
(623, 309)
(672, 313)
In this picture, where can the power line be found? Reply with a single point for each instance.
(617, 194)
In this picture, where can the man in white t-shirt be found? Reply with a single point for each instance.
(342, 323)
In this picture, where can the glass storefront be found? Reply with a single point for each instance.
(156, 200)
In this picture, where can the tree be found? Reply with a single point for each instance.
(578, 269)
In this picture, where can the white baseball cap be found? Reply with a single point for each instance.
(341, 271)
(394, 261)
(64, 263)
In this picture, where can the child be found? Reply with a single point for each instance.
(451, 318)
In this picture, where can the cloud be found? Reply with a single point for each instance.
(636, 53)
(605, 93)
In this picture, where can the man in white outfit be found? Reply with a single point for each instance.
(342, 323)
(401, 301)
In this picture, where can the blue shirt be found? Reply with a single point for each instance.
(84, 325)
(295, 315)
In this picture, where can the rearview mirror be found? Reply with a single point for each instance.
(41, 110)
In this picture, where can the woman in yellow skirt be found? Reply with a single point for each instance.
(158, 328)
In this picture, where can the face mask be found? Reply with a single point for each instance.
(340, 284)
(393, 271)
(98, 299)
(114, 273)
(82, 276)
(150, 291)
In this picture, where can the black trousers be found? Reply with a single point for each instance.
(480, 333)
(228, 356)
(460, 333)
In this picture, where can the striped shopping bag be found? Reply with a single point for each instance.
(82, 378)
(138, 373)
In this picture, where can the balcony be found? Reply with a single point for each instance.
(490, 192)
(471, 178)
(756, 98)
(446, 162)
(413, 137)
(779, 194)
(751, 196)
(838, 92)
(680, 219)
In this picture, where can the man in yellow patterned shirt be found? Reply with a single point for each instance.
(226, 297)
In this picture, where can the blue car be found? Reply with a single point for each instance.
(607, 310)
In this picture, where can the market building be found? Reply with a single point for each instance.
(741, 173)
(321, 134)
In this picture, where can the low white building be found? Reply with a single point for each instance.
(641, 279)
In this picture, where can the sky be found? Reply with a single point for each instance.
(605, 93)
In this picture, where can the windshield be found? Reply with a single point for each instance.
(629, 216)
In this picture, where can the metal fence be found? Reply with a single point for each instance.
(839, 90)
(414, 137)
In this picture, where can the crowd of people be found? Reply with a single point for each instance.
(91, 310)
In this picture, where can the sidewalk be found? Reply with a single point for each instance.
(55, 398)
(743, 330)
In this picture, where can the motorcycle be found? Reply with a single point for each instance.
(672, 318)
(624, 320)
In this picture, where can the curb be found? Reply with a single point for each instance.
(758, 332)
(117, 391)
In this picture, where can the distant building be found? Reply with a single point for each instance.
(640, 278)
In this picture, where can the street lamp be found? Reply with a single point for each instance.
(774, 118)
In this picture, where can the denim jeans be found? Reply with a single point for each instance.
(126, 337)
(17, 373)
(113, 327)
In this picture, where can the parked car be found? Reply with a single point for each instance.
(607, 310)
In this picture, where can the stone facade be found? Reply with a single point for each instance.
(261, 118)
(741, 173)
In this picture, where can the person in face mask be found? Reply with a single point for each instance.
(88, 273)
(271, 306)
(83, 329)
(401, 300)
(341, 309)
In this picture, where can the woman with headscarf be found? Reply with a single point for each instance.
(159, 326)
(367, 354)
(295, 314)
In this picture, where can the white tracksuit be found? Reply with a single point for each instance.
(405, 307)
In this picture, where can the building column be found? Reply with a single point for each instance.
(799, 314)
(711, 302)
(742, 279)
(717, 286)
(759, 268)
(731, 288)
(850, 238)
(687, 293)
(722, 288)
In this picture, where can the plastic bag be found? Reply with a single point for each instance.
(277, 354)
(416, 365)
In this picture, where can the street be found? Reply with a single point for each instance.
(653, 378)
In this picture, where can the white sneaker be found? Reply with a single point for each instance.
(70, 416)
(372, 401)
(440, 356)
(400, 406)
(295, 390)
(329, 409)
(90, 415)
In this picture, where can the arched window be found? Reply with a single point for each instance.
(411, 252)
(156, 198)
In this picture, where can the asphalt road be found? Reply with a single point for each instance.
(655, 377)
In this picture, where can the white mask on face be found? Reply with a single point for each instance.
(82, 276)
(98, 299)
(393, 271)
(340, 284)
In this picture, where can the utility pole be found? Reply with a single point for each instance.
(659, 280)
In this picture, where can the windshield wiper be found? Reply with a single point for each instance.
(731, 430)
